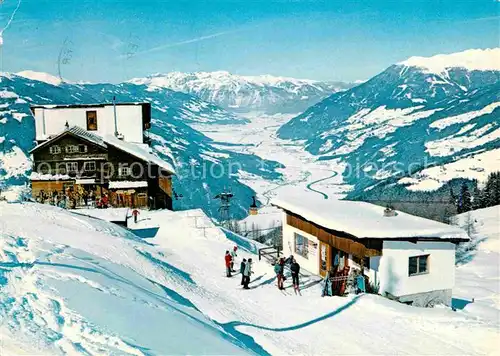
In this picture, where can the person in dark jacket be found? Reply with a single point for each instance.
(279, 269)
(227, 259)
(242, 270)
(295, 269)
(247, 273)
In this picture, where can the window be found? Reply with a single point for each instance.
(55, 149)
(71, 149)
(124, 171)
(45, 169)
(91, 120)
(418, 265)
(72, 167)
(357, 260)
(301, 245)
(89, 166)
(82, 148)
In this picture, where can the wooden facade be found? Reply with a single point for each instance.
(341, 241)
(87, 167)
(330, 241)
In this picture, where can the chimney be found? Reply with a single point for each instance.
(43, 123)
(114, 114)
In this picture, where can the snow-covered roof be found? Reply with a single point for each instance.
(127, 184)
(91, 105)
(77, 131)
(109, 214)
(365, 220)
(140, 151)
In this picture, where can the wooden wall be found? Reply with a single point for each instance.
(48, 163)
(345, 243)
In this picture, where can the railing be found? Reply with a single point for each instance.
(269, 252)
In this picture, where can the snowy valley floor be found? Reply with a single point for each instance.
(302, 170)
(72, 284)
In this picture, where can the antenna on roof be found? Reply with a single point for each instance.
(114, 113)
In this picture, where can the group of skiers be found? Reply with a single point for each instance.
(279, 269)
(246, 269)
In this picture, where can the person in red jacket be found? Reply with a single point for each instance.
(135, 213)
(228, 260)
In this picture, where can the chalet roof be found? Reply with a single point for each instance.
(93, 105)
(140, 151)
(75, 131)
(143, 152)
(365, 220)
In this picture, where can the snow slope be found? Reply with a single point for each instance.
(282, 323)
(71, 284)
(480, 278)
(263, 93)
(40, 76)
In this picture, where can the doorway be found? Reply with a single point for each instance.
(324, 258)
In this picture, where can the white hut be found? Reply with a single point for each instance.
(410, 258)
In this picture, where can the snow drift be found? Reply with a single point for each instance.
(73, 284)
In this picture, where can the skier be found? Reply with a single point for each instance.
(135, 213)
(246, 273)
(279, 269)
(328, 287)
(227, 259)
(295, 269)
(242, 270)
(233, 257)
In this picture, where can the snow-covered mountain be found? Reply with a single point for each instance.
(264, 93)
(418, 113)
(204, 169)
(41, 77)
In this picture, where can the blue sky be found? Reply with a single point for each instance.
(105, 40)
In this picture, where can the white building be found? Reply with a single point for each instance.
(127, 121)
(409, 258)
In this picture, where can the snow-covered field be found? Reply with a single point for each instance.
(302, 170)
(480, 278)
(73, 284)
(76, 285)
(476, 166)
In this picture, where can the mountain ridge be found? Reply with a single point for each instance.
(266, 93)
(393, 120)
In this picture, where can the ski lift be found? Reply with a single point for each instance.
(253, 208)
